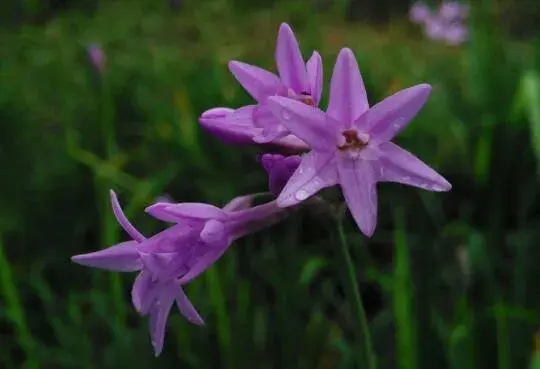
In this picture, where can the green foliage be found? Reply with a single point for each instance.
(453, 274)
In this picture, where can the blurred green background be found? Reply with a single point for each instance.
(449, 280)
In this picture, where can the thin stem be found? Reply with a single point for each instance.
(362, 329)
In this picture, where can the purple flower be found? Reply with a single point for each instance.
(456, 35)
(351, 143)
(280, 169)
(453, 11)
(419, 13)
(173, 257)
(435, 29)
(97, 57)
(255, 123)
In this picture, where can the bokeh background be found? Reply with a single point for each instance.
(449, 280)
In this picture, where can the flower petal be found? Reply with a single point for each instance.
(270, 128)
(159, 313)
(252, 220)
(290, 63)
(213, 232)
(205, 262)
(399, 165)
(143, 292)
(123, 220)
(314, 69)
(231, 126)
(187, 309)
(258, 82)
(390, 116)
(293, 143)
(239, 203)
(308, 123)
(185, 211)
(315, 172)
(358, 183)
(348, 98)
(122, 257)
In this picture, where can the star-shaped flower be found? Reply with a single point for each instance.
(351, 143)
(255, 123)
(173, 257)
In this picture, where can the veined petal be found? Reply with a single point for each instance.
(292, 142)
(231, 126)
(258, 82)
(270, 128)
(187, 309)
(348, 98)
(159, 313)
(203, 263)
(123, 220)
(143, 292)
(315, 172)
(314, 69)
(308, 123)
(290, 63)
(387, 118)
(122, 257)
(358, 183)
(185, 211)
(399, 165)
(252, 220)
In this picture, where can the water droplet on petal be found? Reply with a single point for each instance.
(285, 115)
(301, 195)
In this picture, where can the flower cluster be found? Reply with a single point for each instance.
(348, 145)
(446, 24)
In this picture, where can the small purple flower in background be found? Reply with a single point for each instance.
(453, 11)
(447, 24)
(171, 258)
(419, 13)
(255, 123)
(351, 143)
(97, 57)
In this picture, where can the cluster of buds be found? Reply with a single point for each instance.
(348, 145)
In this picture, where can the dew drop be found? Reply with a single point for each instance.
(285, 115)
(301, 195)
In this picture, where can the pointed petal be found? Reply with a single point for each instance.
(308, 123)
(315, 172)
(122, 257)
(143, 292)
(185, 211)
(231, 126)
(270, 128)
(159, 313)
(290, 63)
(293, 143)
(348, 98)
(258, 82)
(187, 309)
(315, 77)
(399, 165)
(122, 219)
(358, 183)
(203, 263)
(390, 116)
(239, 203)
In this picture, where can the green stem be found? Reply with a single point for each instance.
(362, 328)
